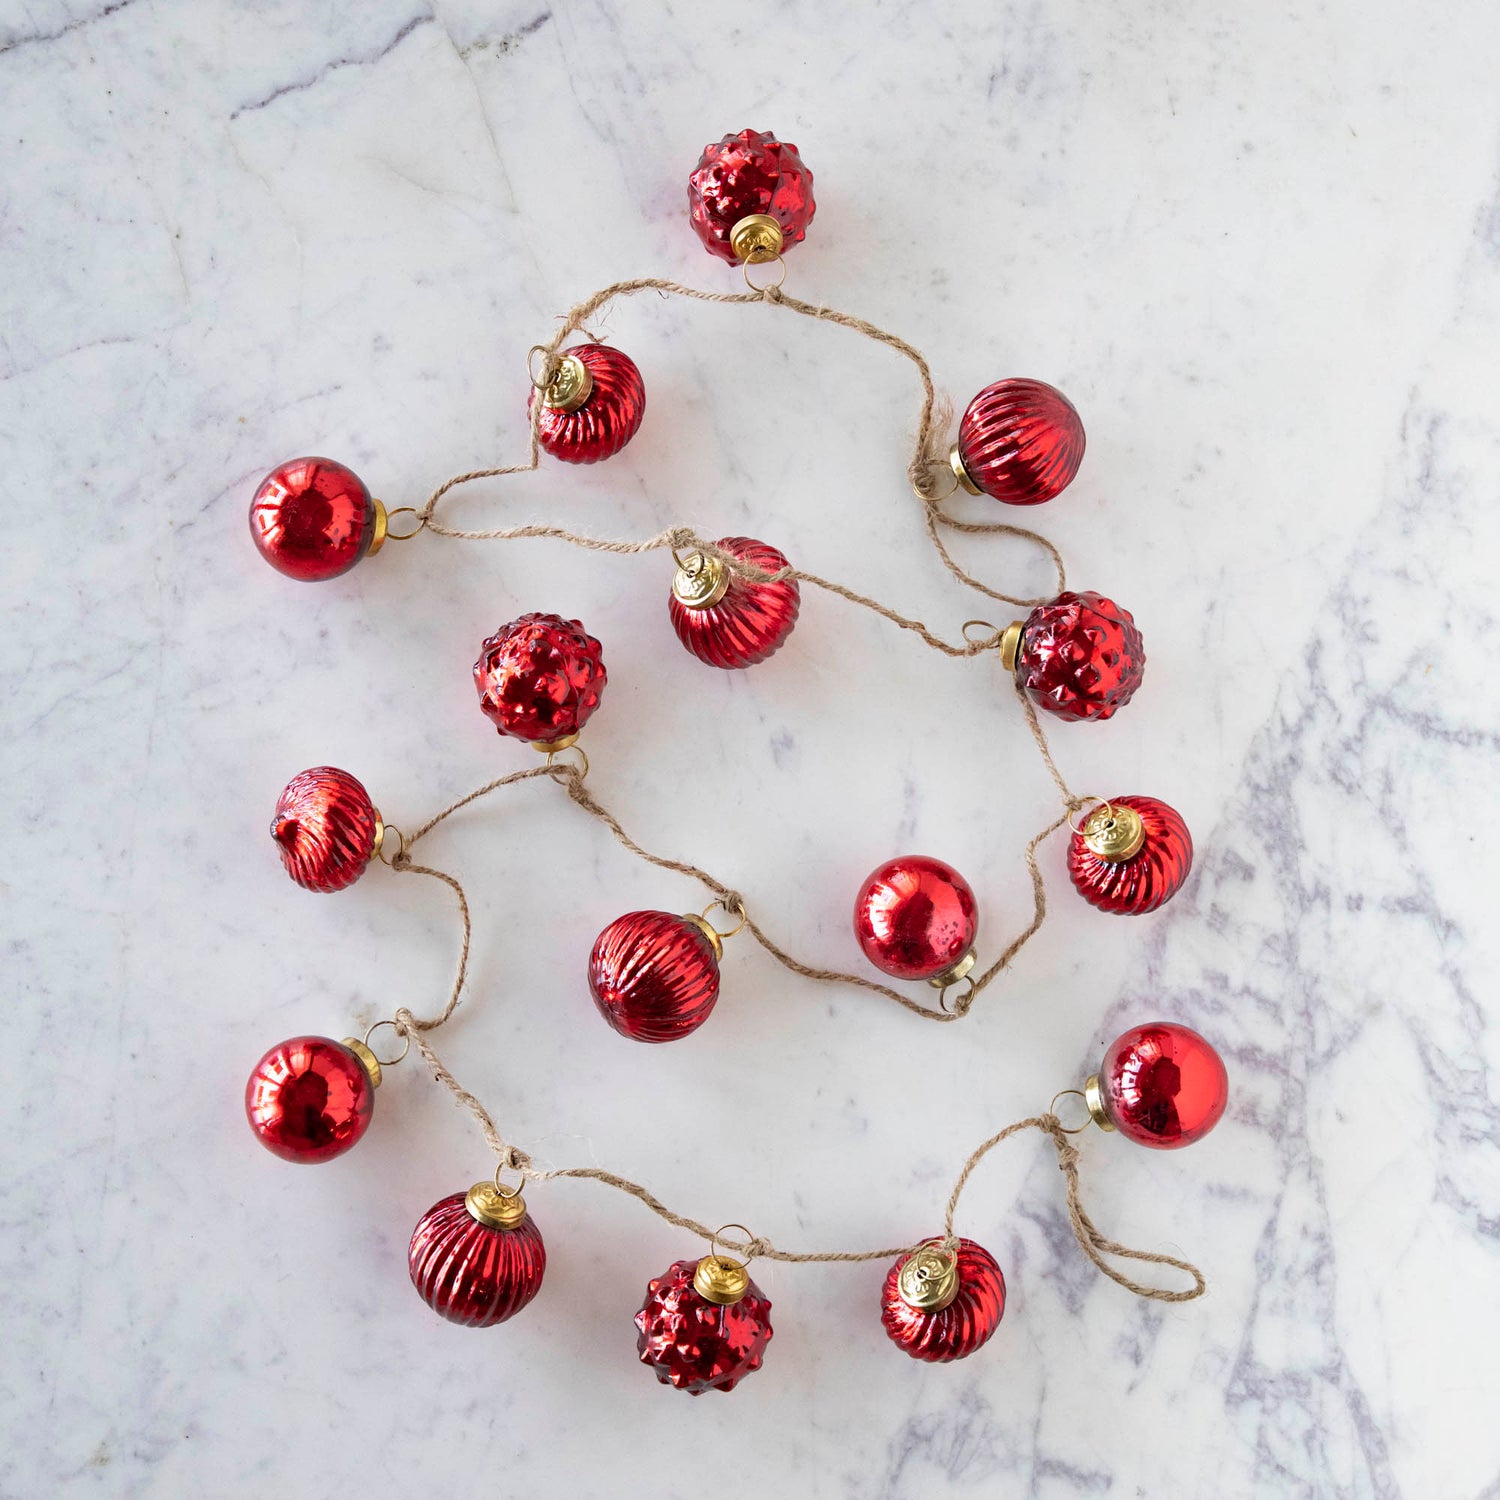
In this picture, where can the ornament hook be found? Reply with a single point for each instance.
(580, 770)
(1083, 802)
(714, 1241)
(734, 931)
(961, 1001)
(404, 536)
(1075, 1094)
(931, 496)
(382, 841)
(405, 1043)
(770, 286)
(982, 643)
(549, 366)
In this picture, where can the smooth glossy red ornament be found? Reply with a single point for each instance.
(1161, 1085)
(948, 1312)
(654, 975)
(915, 918)
(729, 621)
(312, 518)
(744, 175)
(1131, 855)
(696, 1344)
(1020, 441)
(1079, 657)
(592, 406)
(477, 1258)
(326, 828)
(540, 678)
(310, 1098)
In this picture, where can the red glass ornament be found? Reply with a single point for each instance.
(958, 1329)
(1161, 1085)
(608, 418)
(698, 1345)
(729, 621)
(1020, 441)
(655, 976)
(744, 174)
(325, 827)
(471, 1272)
(540, 678)
(1149, 877)
(915, 917)
(1080, 656)
(309, 1099)
(313, 519)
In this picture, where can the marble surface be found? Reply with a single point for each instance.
(1260, 248)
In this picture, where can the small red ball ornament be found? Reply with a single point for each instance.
(310, 1098)
(750, 197)
(312, 518)
(326, 828)
(477, 1258)
(1160, 1085)
(915, 918)
(592, 406)
(941, 1305)
(1131, 855)
(729, 621)
(655, 976)
(539, 679)
(1020, 441)
(704, 1325)
(1079, 656)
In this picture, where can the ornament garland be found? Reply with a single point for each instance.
(476, 1257)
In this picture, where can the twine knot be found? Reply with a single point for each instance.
(733, 903)
(513, 1159)
(770, 294)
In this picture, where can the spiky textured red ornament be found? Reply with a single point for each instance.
(962, 1323)
(1131, 855)
(729, 621)
(593, 416)
(540, 678)
(1160, 1085)
(310, 1098)
(743, 175)
(654, 975)
(697, 1345)
(1020, 441)
(1080, 656)
(326, 828)
(477, 1258)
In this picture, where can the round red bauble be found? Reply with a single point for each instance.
(655, 976)
(915, 918)
(477, 1258)
(540, 678)
(698, 1345)
(1130, 883)
(962, 1323)
(1080, 656)
(313, 519)
(730, 621)
(1020, 441)
(1161, 1085)
(326, 828)
(745, 174)
(310, 1099)
(591, 417)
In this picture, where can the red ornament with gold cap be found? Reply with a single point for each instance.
(540, 679)
(593, 400)
(477, 1258)
(916, 918)
(310, 1098)
(750, 197)
(326, 829)
(1078, 656)
(727, 620)
(313, 519)
(941, 1302)
(655, 975)
(1130, 855)
(1020, 442)
(704, 1325)
(1160, 1085)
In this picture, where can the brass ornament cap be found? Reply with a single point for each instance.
(954, 972)
(570, 386)
(700, 581)
(367, 1059)
(551, 747)
(715, 939)
(1010, 644)
(960, 473)
(378, 528)
(494, 1209)
(721, 1280)
(928, 1280)
(1093, 1096)
(1114, 832)
(756, 238)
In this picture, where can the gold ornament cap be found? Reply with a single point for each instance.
(928, 1280)
(1010, 644)
(570, 386)
(495, 1207)
(954, 972)
(721, 1280)
(715, 939)
(700, 581)
(378, 535)
(551, 747)
(1114, 832)
(961, 472)
(756, 238)
(1093, 1096)
(367, 1059)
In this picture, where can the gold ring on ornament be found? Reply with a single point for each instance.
(937, 498)
(405, 1044)
(548, 368)
(583, 756)
(386, 830)
(770, 286)
(500, 1187)
(404, 536)
(985, 643)
(1052, 1110)
(713, 1239)
(1099, 802)
(744, 922)
(964, 999)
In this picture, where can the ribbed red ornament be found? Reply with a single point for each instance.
(472, 1273)
(697, 1345)
(607, 420)
(744, 174)
(915, 917)
(1020, 441)
(309, 1099)
(1080, 656)
(749, 621)
(540, 678)
(1162, 1085)
(958, 1329)
(325, 827)
(1148, 878)
(312, 518)
(654, 976)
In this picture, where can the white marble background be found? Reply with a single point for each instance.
(1259, 246)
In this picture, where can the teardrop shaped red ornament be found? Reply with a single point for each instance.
(540, 678)
(1080, 657)
(956, 1329)
(697, 1345)
(655, 976)
(310, 1098)
(1160, 1085)
(472, 1272)
(1020, 441)
(326, 828)
(729, 621)
(608, 415)
(1132, 884)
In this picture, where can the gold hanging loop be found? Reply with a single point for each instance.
(1074, 1094)
(770, 286)
(405, 1044)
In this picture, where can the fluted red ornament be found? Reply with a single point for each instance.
(539, 679)
(326, 828)
(593, 404)
(1130, 856)
(1079, 656)
(312, 518)
(310, 1098)
(704, 1325)
(477, 1258)
(750, 176)
(941, 1305)
(915, 918)
(1020, 441)
(655, 976)
(1160, 1085)
(730, 621)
